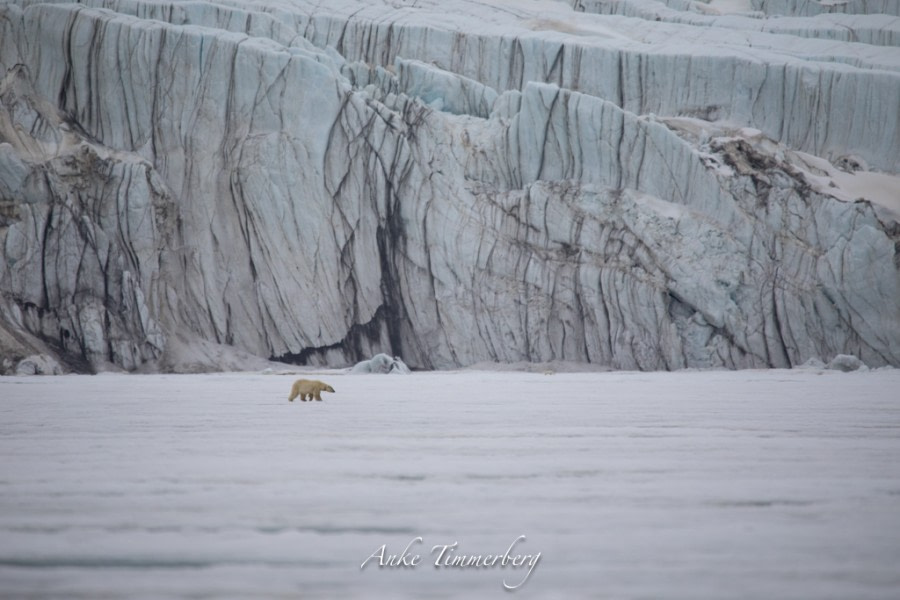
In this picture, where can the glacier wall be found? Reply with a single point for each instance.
(817, 7)
(189, 185)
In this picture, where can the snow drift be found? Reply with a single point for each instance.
(185, 185)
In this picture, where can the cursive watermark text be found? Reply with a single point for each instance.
(448, 556)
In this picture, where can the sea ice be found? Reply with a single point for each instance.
(692, 484)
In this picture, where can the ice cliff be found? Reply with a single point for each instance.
(637, 184)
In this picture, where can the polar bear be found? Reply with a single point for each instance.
(309, 388)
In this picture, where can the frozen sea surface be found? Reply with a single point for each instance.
(748, 484)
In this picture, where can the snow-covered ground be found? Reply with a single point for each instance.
(747, 484)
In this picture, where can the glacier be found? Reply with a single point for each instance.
(191, 186)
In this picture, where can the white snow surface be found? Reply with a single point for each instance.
(692, 484)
